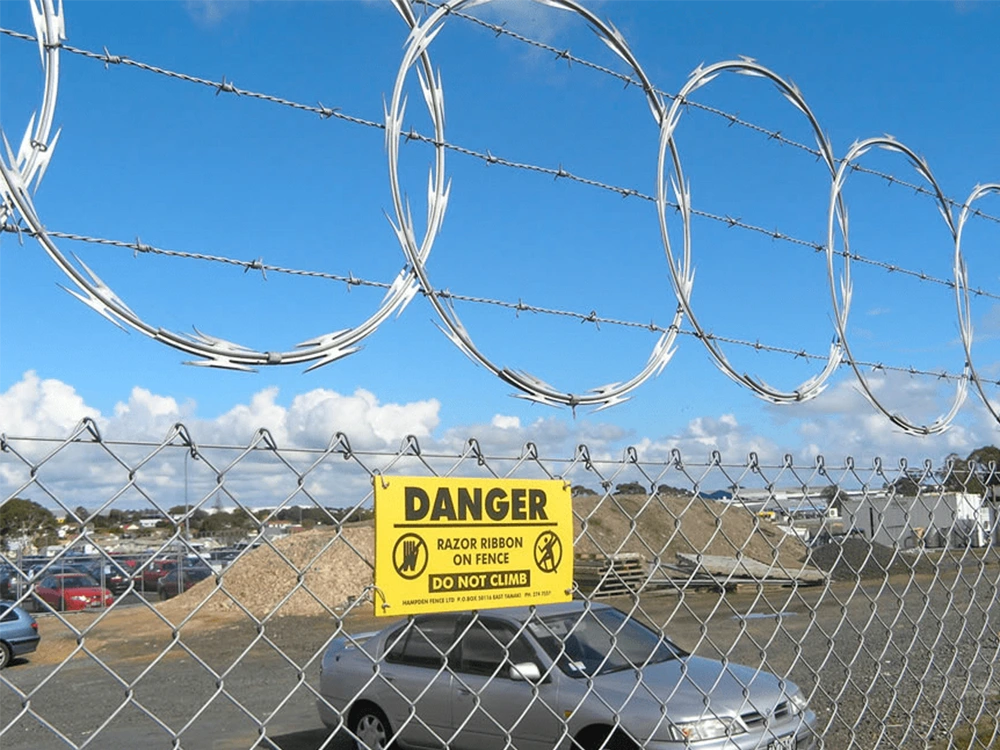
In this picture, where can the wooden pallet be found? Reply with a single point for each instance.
(609, 575)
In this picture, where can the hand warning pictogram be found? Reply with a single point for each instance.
(409, 556)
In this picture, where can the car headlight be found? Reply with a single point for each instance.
(705, 729)
(78, 598)
(798, 702)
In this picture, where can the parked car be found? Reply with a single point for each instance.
(219, 559)
(18, 632)
(155, 571)
(40, 570)
(72, 591)
(577, 675)
(12, 582)
(179, 580)
(108, 574)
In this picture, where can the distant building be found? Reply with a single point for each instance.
(932, 519)
(276, 529)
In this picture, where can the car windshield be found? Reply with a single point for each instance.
(600, 641)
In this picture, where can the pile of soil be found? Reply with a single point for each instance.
(659, 528)
(333, 567)
(856, 558)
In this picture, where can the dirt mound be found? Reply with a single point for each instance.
(332, 568)
(858, 558)
(659, 528)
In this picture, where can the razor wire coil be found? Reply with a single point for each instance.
(217, 352)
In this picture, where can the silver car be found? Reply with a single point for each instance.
(579, 675)
(18, 633)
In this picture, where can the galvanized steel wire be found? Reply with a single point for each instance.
(895, 646)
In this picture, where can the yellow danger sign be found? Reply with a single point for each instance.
(444, 544)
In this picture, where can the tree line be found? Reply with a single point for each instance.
(21, 518)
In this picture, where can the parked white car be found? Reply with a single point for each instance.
(578, 675)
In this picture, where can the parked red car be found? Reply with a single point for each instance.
(72, 591)
(153, 572)
(179, 580)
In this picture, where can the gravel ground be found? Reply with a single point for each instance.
(859, 558)
(889, 661)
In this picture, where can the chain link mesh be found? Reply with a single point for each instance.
(872, 589)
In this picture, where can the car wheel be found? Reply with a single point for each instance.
(4, 655)
(163, 595)
(620, 741)
(370, 728)
(596, 738)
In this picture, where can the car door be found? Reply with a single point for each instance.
(413, 684)
(46, 591)
(489, 647)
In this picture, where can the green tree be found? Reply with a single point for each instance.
(578, 490)
(974, 473)
(359, 514)
(666, 489)
(833, 496)
(194, 520)
(25, 518)
(908, 484)
(630, 488)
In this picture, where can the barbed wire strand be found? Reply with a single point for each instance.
(518, 307)
(487, 156)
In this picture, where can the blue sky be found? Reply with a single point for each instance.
(183, 168)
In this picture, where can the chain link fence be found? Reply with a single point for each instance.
(233, 598)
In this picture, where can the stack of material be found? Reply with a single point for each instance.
(731, 572)
(609, 575)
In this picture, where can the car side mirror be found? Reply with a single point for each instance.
(526, 671)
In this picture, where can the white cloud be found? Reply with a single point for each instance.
(33, 407)
(541, 22)
(704, 435)
(837, 425)
(207, 13)
(146, 414)
(317, 415)
(841, 422)
(36, 408)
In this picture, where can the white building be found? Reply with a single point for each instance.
(938, 519)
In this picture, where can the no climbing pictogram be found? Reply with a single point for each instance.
(548, 552)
